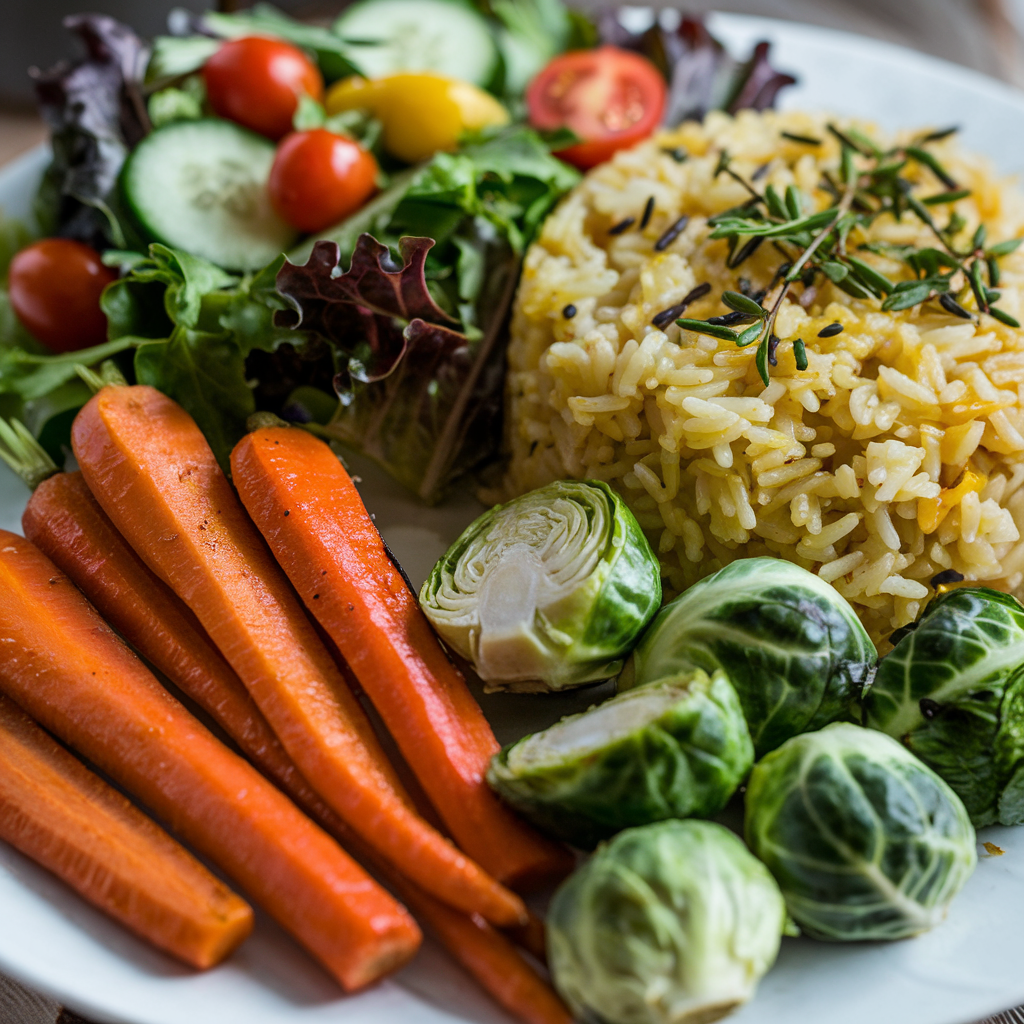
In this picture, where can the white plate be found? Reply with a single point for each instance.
(964, 970)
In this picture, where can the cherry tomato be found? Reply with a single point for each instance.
(257, 82)
(55, 288)
(319, 178)
(610, 98)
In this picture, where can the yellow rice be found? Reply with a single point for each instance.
(898, 453)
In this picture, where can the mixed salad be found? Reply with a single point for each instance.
(325, 222)
(261, 235)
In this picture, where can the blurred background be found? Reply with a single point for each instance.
(982, 34)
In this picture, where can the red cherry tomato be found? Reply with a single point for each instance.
(257, 82)
(610, 98)
(55, 287)
(319, 178)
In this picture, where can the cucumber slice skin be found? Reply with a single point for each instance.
(201, 186)
(447, 37)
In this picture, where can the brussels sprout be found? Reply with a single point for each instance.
(547, 592)
(952, 690)
(666, 924)
(790, 643)
(670, 750)
(865, 841)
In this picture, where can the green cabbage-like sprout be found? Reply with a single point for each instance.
(548, 591)
(790, 643)
(673, 923)
(865, 841)
(952, 690)
(674, 749)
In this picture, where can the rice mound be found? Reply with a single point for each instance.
(897, 454)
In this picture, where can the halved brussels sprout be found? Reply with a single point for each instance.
(952, 689)
(670, 750)
(790, 643)
(667, 924)
(548, 591)
(865, 841)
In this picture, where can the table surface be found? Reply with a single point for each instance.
(18, 133)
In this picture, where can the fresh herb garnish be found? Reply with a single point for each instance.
(869, 182)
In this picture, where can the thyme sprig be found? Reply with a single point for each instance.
(869, 182)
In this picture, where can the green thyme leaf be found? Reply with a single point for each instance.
(800, 354)
(1003, 317)
(869, 276)
(918, 293)
(834, 271)
(1005, 248)
(994, 273)
(743, 304)
(794, 204)
(761, 360)
(750, 335)
(774, 203)
(922, 156)
(978, 286)
(946, 197)
(712, 330)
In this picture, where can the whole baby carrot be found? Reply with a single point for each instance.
(63, 665)
(58, 813)
(311, 515)
(154, 474)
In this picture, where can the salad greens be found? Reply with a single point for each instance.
(548, 591)
(952, 690)
(674, 923)
(865, 841)
(791, 644)
(674, 749)
(421, 395)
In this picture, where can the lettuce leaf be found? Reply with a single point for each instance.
(412, 296)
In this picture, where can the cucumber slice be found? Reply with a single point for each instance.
(201, 186)
(444, 36)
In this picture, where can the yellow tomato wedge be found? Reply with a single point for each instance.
(421, 113)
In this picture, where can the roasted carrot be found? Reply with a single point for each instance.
(311, 515)
(66, 523)
(64, 520)
(484, 952)
(66, 668)
(154, 474)
(59, 814)
(489, 957)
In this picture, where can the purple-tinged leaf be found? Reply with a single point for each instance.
(760, 82)
(416, 393)
(364, 310)
(701, 74)
(96, 113)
